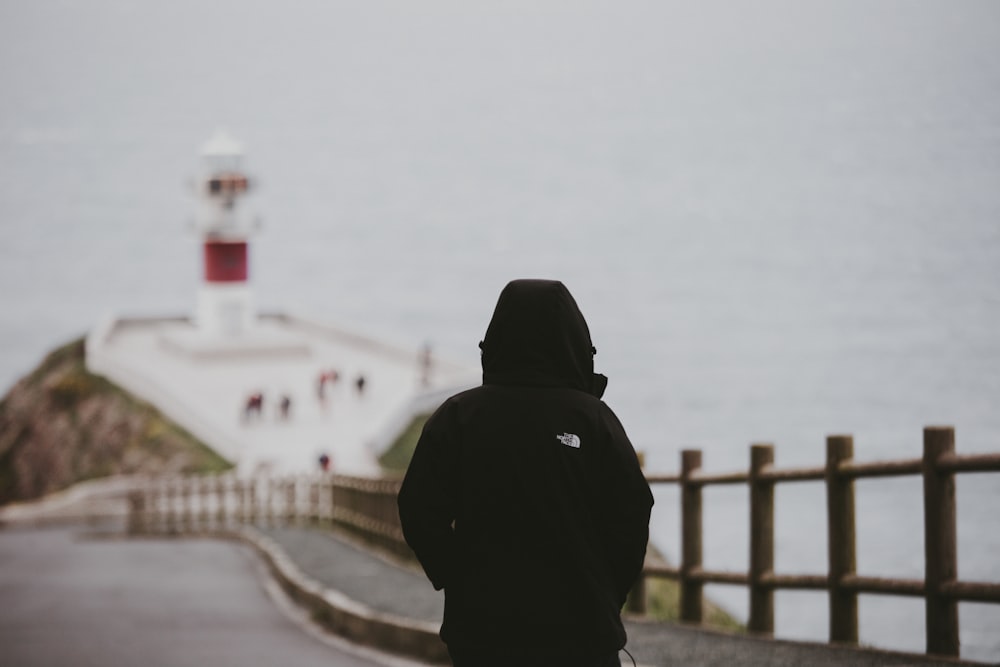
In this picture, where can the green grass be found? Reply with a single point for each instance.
(397, 457)
(663, 598)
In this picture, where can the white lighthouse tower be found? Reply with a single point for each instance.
(225, 307)
(226, 321)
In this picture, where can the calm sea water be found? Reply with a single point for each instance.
(781, 219)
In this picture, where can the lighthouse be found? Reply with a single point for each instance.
(225, 321)
(225, 306)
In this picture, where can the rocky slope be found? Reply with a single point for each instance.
(60, 425)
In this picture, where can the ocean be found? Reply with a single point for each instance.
(781, 219)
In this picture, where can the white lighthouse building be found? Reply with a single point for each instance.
(225, 306)
(225, 320)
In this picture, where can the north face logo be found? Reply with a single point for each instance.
(570, 440)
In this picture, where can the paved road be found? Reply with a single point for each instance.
(70, 599)
(380, 585)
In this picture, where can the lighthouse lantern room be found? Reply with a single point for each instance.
(225, 302)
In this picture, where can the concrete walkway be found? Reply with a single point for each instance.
(392, 588)
(76, 597)
(373, 587)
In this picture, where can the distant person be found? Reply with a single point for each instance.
(321, 387)
(525, 501)
(324, 462)
(359, 384)
(285, 407)
(426, 363)
(254, 406)
(330, 377)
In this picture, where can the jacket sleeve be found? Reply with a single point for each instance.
(427, 501)
(627, 505)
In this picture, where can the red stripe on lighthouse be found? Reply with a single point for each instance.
(225, 262)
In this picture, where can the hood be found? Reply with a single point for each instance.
(538, 337)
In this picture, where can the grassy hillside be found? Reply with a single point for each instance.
(396, 459)
(60, 425)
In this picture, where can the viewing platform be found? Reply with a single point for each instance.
(205, 384)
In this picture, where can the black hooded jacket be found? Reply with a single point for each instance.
(524, 499)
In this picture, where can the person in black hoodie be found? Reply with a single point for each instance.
(524, 499)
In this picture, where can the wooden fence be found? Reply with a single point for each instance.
(367, 507)
(941, 588)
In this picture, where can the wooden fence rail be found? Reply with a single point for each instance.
(941, 588)
(367, 507)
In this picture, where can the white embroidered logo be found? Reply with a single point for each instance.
(570, 440)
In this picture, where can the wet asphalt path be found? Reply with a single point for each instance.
(383, 586)
(67, 598)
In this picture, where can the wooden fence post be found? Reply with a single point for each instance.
(204, 513)
(252, 500)
(841, 540)
(691, 589)
(636, 601)
(171, 518)
(940, 552)
(290, 499)
(137, 512)
(270, 509)
(152, 505)
(761, 541)
(336, 499)
(220, 502)
(240, 498)
(158, 518)
(313, 484)
(187, 511)
(327, 485)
